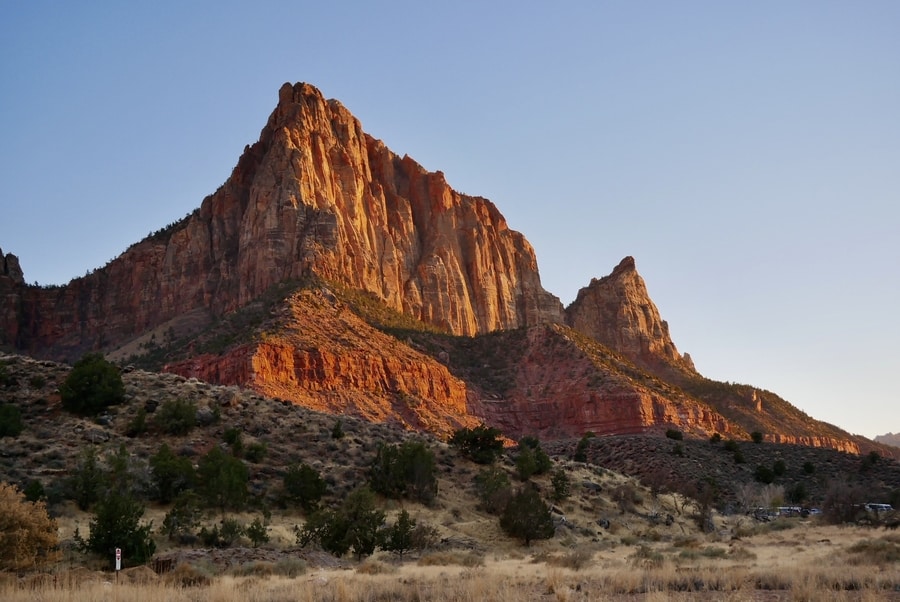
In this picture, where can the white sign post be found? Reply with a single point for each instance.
(118, 559)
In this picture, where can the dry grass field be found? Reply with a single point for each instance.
(804, 561)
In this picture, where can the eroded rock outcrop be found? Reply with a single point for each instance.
(319, 354)
(563, 389)
(315, 195)
(617, 311)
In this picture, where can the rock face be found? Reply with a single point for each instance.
(315, 195)
(11, 282)
(617, 311)
(562, 390)
(319, 354)
(892, 439)
(317, 200)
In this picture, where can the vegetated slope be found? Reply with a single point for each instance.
(52, 442)
(732, 468)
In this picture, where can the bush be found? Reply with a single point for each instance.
(398, 538)
(561, 486)
(92, 385)
(138, 425)
(797, 493)
(532, 460)
(222, 480)
(337, 431)
(353, 526)
(481, 444)
(493, 488)
(304, 486)
(809, 467)
(404, 471)
(256, 451)
(779, 468)
(527, 517)
(764, 474)
(258, 532)
(116, 524)
(870, 460)
(184, 516)
(582, 447)
(34, 491)
(6, 379)
(224, 535)
(11, 424)
(674, 434)
(176, 417)
(170, 474)
(715, 438)
(85, 482)
(842, 503)
(756, 436)
(28, 536)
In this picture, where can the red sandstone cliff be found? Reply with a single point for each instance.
(564, 385)
(313, 195)
(316, 352)
(317, 196)
(617, 311)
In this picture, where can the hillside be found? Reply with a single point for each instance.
(608, 513)
(52, 444)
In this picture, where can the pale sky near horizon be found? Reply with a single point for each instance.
(747, 155)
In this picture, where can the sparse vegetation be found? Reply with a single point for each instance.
(463, 536)
(176, 417)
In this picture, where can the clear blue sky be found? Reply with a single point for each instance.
(746, 154)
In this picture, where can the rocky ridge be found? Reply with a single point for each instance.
(315, 195)
(318, 200)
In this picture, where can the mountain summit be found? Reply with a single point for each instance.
(330, 272)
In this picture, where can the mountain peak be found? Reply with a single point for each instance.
(617, 311)
(626, 265)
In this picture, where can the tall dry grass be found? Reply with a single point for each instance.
(811, 565)
(526, 582)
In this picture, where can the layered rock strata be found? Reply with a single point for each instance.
(319, 354)
(315, 195)
(561, 391)
(617, 311)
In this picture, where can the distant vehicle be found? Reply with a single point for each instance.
(879, 507)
